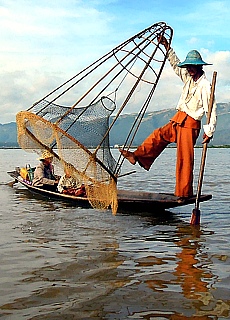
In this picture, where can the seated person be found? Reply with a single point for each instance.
(70, 185)
(44, 173)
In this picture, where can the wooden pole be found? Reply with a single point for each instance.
(195, 217)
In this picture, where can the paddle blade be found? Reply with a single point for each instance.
(195, 218)
(11, 183)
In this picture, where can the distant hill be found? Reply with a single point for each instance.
(8, 135)
(152, 120)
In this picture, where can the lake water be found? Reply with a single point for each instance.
(63, 262)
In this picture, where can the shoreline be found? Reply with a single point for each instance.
(133, 147)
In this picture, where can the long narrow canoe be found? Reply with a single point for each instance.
(128, 200)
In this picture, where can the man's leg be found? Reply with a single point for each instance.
(186, 139)
(152, 146)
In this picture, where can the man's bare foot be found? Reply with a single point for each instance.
(128, 155)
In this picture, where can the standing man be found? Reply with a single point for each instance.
(184, 127)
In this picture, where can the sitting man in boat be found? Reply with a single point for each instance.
(44, 173)
(70, 185)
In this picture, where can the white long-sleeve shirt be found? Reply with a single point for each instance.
(68, 182)
(195, 96)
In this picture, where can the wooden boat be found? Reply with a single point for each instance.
(128, 200)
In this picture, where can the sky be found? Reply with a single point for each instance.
(45, 42)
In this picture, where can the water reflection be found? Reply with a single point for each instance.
(72, 265)
(189, 270)
(62, 262)
(195, 276)
(189, 287)
(146, 269)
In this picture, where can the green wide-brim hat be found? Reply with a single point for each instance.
(193, 58)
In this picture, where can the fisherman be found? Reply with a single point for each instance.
(44, 173)
(184, 127)
(69, 184)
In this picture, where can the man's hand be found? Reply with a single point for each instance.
(206, 139)
(161, 39)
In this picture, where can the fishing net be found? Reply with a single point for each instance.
(73, 144)
(78, 135)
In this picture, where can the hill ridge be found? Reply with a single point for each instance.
(151, 121)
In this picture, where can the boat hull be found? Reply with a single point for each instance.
(128, 200)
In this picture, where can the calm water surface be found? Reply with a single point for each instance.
(63, 262)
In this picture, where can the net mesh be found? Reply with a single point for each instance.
(74, 144)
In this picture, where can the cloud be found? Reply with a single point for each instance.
(55, 30)
(45, 43)
(192, 41)
(221, 64)
(19, 90)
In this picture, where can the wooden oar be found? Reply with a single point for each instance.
(195, 218)
(11, 183)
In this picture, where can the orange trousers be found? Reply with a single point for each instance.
(182, 130)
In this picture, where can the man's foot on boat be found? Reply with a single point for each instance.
(128, 155)
(183, 199)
